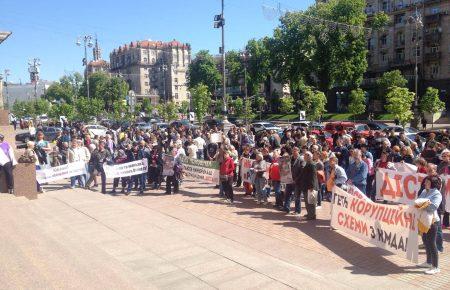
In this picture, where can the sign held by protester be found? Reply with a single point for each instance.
(201, 169)
(126, 169)
(285, 170)
(60, 172)
(390, 227)
(247, 175)
(216, 138)
(168, 165)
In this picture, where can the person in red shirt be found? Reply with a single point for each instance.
(274, 180)
(226, 176)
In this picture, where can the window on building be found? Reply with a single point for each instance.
(434, 49)
(434, 69)
(176, 80)
(176, 95)
(146, 84)
(399, 18)
(400, 54)
(383, 57)
(146, 76)
(385, 6)
(383, 40)
(435, 10)
(176, 88)
(145, 59)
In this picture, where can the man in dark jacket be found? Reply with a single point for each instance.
(99, 157)
(308, 183)
(296, 170)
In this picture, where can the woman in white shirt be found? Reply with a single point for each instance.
(7, 162)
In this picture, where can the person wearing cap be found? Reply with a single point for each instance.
(7, 162)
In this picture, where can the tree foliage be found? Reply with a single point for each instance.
(168, 111)
(88, 108)
(399, 102)
(41, 107)
(201, 100)
(388, 80)
(235, 67)
(258, 63)
(317, 54)
(62, 109)
(313, 102)
(380, 20)
(147, 106)
(357, 103)
(287, 104)
(184, 107)
(23, 109)
(66, 89)
(430, 102)
(203, 70)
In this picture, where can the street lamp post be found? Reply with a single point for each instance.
(219, 22)
(245, 56)
(7, 73)
(163, 68)
(33, 69)
(416, 20)
(87, 42)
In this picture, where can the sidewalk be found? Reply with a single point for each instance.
(83, 239)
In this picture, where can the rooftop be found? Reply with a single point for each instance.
(151, 44)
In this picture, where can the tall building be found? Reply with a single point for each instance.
(97, 63)
(395, 47)
(154, 69)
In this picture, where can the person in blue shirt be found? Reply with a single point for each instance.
(434, 198)
(357, 172)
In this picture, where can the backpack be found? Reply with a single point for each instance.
(41, 155)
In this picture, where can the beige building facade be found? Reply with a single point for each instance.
(154, 69)
(395, 47)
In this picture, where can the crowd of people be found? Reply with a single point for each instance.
(317, 164)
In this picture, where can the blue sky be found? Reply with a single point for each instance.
(48, 29)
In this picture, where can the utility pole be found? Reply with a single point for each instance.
(33, 69)
(245, 56)
(87, 42)
(7, 73)
(164, 69)
(417, 21)
(219, 22)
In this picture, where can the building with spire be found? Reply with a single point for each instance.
(97, 63)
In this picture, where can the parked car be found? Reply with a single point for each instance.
(144, 126)
(300, 124)
(339, 127)
(361, 130)
(160, 126)
(50, 134)
(96, 130)
(236, 121)
(439, 135)
(376, 126)
(264, 126)
(184, 122)
(210, 123)
(399, 129)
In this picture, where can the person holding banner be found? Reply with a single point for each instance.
(357, 172)
(75, 155)
(433, 198)
(99, 157)
(260, 167)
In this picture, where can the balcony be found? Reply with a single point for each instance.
(400, 43)
(432, 38)
(433, 56)
(434, 18)
(429, 2)
(400, 62)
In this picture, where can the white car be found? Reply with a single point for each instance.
(96, 130)
(260, 126)
(300, 124)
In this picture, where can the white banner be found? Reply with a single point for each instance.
(390, 227)
(405, 167)
(126, 169)
(403, 187)
(285, 170)
(50, 174)
(216, 138)
(201, 170)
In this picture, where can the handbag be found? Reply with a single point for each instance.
(312, 196)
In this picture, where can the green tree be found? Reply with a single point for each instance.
(62, 109)
(41, 107)
(108, 89)
(88, 108)
(168, 110)
(66, 89)
(431, 103)
(313, 103)
(260, 103)
(390, 79)
(380, 20)
(184, 107)
(203, 70)
(235, 67)
(315, 53)
(147, 106)
(287, 104)
(259, 65)
(399, 102)
(357, 105)
(23, 109)
(201, 101)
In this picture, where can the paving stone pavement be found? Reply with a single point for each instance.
(85, 240)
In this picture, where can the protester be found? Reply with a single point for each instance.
(7, 163)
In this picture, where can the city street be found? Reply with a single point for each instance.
(82, 239)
